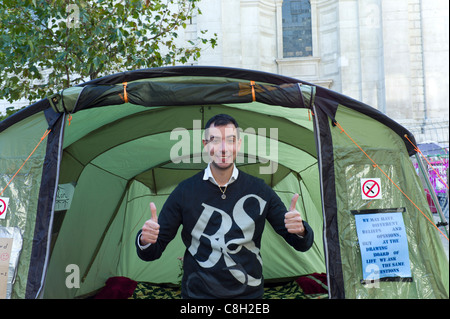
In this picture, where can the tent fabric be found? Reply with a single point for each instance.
(165, 94)
(25, 186)
(47, 193)
(350, 166)
(135, 135)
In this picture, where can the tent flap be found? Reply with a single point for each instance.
(149, 93)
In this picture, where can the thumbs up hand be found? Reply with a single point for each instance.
(292, 219)
(150, 230)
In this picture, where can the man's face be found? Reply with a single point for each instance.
(222, 144)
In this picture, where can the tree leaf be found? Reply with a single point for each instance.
(110, 36)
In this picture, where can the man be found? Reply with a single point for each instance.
(223, 212)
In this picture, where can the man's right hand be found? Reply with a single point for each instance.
(150, 230)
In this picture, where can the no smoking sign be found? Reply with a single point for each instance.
(371, 188)
(3, 206)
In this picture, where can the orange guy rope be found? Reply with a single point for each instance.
(252, 84)
(125, 94)
(376, 165)
(42, 138)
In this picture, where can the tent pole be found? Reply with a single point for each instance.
(432, 193)
(299, 179)
(102, 238)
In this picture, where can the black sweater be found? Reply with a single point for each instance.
(222, 236)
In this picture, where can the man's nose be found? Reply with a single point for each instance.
(222, 146)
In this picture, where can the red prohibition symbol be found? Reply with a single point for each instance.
(371, 188)
(2, 206)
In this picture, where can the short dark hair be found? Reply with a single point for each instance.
(221, 120)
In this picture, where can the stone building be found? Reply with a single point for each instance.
(390, 54)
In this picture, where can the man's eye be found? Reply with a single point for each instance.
(214, 140)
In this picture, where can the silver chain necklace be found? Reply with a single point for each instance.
(223, 192)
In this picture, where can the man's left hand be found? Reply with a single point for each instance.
(292, 219)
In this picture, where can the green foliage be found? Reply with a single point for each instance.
(48, 45)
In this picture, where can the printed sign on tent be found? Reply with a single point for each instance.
(64, 196)
(371, 188)
(5, 254)
(3, 206)
(384, 245)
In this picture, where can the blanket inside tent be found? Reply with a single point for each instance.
(312, 286)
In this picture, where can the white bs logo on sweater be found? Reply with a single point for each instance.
(231, 247)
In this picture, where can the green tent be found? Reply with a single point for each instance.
(121, 141)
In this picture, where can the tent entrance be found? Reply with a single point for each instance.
(134, 155)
